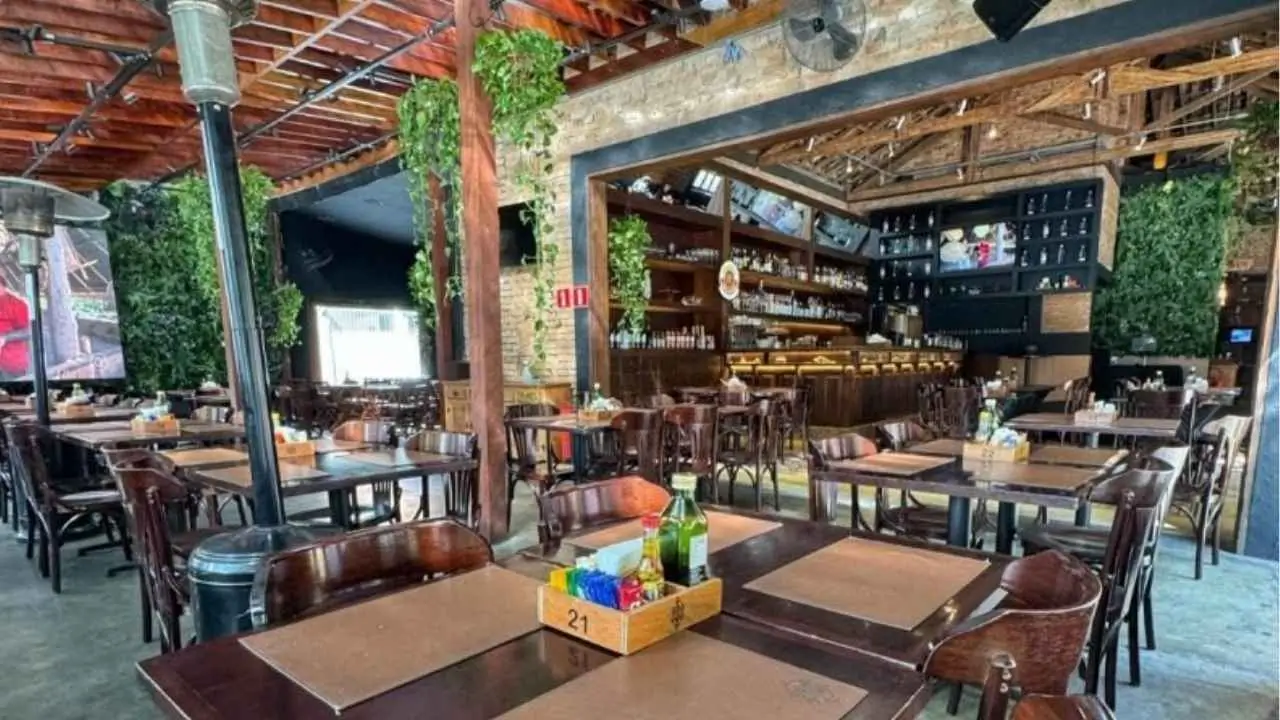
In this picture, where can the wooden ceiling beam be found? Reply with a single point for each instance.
(10, 132)
(522, 16)
(624, 10)
(575, 13)
(1228, 88)
(1075, 123)
(735, 23)
(1123, 80)
(315, 8)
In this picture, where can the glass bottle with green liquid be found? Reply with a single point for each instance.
(683, 534)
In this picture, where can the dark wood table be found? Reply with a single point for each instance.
(334, 473)
(100, 414)
(739, 564)
(221, 679)
(1158, 428)
(1042, 453)
(120, 435)
(964, 480)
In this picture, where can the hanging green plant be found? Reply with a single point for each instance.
(1170, 258)
(279, 303)
(629, 240)
(1255, 157)
(520, 72)
(430, 139)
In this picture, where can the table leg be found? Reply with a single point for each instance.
(822, 500)
(581, 457)
(1082, 514)
(339, 508)
(1006, 518)
(958, 521)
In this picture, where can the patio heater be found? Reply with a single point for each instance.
(222, 568)
(29, 210)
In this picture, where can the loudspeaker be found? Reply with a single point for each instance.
(1006, 18)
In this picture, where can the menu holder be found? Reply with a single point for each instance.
(1095, 417)
(76, 410)
(299, 449)
(163, 426)
(626, 632)
(997, 453)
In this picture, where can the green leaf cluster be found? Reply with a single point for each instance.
(520, 73)
(628, 242)
(1255, 158)
(164, 259)
(1170, 258)
(430, 143)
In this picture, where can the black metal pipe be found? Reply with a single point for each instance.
(38, 371)
(245, 333)
(127, 72)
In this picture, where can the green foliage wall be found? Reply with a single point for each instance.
(164, 263)
(1170, 258)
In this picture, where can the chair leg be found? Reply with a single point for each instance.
(240, 509)
(55, 560)
(1112, 660)
(953, 698)
(31, 535)
(144, 599)
(44, 552)
(1135, 662)
(1216, 539)
(1149, 618)
(1201, 538)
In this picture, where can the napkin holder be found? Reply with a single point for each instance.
(1095, 417)
(997, 453)
(76, 410)
(167, 425)
(295, 450)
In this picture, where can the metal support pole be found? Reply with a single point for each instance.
(38, 371)
(245, 335)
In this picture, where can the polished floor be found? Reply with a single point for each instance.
(72, 656)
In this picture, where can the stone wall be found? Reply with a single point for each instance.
(1253, 251)
(701, 85)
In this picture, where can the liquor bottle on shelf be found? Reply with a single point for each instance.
(1084, 226)
(1088, 199)
(1066, 204)
(1022, 257)
(884, 247)
(1062, 228)
(1083, 255)
(911, 222)
(928, 239)
(884, 225)
(1044, 256)
(1031, 206)
(1026, 231)
(1044, 230)
(1062, 252)
(926, 291)
(1044, 202)
(929, 221)
(897, 224)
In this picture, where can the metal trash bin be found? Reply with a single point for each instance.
(222, 569)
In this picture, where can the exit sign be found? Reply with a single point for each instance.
(572, 297)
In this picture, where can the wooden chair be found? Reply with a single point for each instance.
(385, 494)
(959, 408)
(461, 500)
(1137, 495)
(691, 442)
(638, 443)
(211, 414)
(9, 509)
(375, 432)
(1031, 642)
(572, 508)
(1163, 404)
(793, 415)
(150, 498)
(823, 495)
(52, 511)
(1061, 707)
(660, 400)
(1198, 495)
(752, 450)
(360, 565)
(524, 463)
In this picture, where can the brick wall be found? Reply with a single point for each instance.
(1253, 251)
(700, 85)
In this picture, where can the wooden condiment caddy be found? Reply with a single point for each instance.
(997, 453)
(164, 426)
(630, 631)
(76, 410)
(294, 450)
(1095, 417)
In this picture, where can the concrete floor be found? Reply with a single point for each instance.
(71, 656)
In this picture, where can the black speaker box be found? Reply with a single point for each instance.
(1006, 18)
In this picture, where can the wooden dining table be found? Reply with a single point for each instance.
(100, 414)
(119, 434)
(1127, 427)
(335, 473)
(543, 669)
(938, 468)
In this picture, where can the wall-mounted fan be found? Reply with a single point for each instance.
(824, 34)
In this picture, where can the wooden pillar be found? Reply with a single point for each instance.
(484, 315)
(598, 285)
(445, 365)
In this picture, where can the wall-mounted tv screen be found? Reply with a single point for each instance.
(1240, 335)
(975, 247)
(516, 242)
(78, 301)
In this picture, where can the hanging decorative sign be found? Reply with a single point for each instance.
(572, 297)
(730, 281)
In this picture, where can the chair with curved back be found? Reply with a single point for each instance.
(823, 495)
(959, 408)
(51, 510)
(572, 508)
(793, 415)
(637, 444)
(1162, 404)
(1061, 707)
(524, 463)
(691, 442)
(659, 400)
(1031, 642)
(1198, 496)
(461, 499)
(386, 494)
(752, 449)
(910, 516)
(360, 565)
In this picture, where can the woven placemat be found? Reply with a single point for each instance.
(883, 583)
(693, 677)
(350, 655)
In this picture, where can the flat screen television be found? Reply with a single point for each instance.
(976, 247)
(1240, 335)
(516, 243)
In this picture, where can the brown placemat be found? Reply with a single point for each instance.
(328, 445)
(396, 458)
(723, 530)
(694, 677)
(1077, 456)
(350, 655)
(1049, 477)
(883, 583)
(241, 475)
(892, 463)
(195, 457)
(942, 446)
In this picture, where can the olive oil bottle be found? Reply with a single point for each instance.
(684, 534)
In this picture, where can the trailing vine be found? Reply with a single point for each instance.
(628, 241)
(430, 138)
(1254, 157)
(519, 71)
